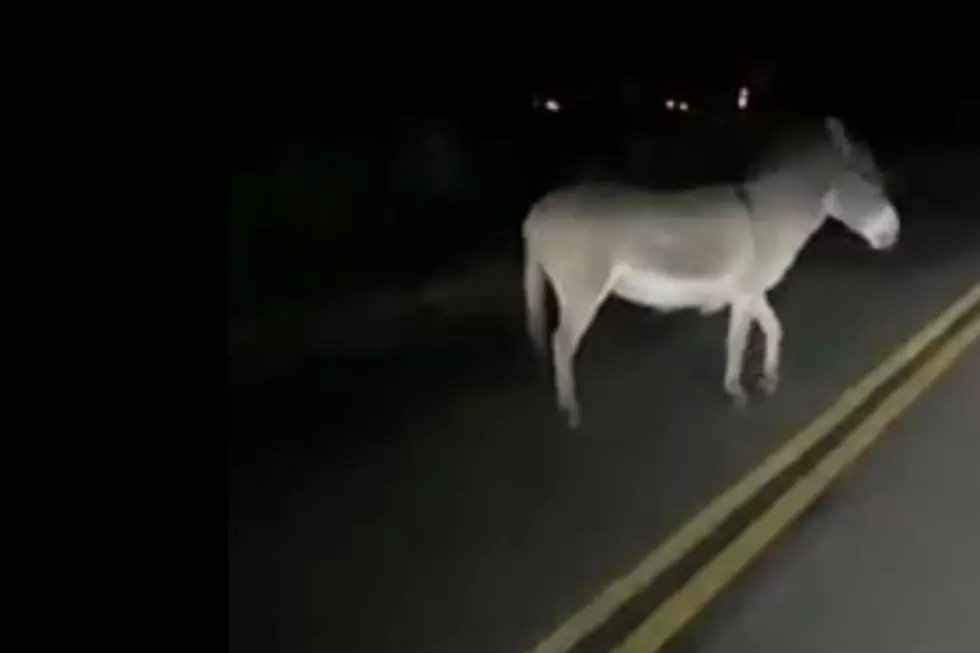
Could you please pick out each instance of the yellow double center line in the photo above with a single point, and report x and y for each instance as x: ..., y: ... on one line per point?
x: 686, y: 602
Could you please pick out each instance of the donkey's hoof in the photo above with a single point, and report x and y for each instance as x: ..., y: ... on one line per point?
x: 769, y: 383
x: 572, y: 417
x: 737, y: 394
x: 538, y: 342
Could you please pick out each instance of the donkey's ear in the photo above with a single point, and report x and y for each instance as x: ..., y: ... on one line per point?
x: 838, y: 135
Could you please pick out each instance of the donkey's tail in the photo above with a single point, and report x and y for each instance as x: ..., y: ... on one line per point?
x: 534, y: 298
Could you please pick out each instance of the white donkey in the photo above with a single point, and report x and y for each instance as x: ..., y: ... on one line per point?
x: 704, y: 248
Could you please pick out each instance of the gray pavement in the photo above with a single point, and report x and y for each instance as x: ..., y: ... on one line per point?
x: 433, y: 501
x: 888, y: 564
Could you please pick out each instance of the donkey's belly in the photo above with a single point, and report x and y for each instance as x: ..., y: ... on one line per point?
x: 667, y: 293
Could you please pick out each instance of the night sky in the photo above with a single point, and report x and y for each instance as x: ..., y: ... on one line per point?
x: 307, y: 85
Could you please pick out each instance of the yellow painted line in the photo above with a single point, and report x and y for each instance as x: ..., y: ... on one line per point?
x: 623, y: 589
x: 684, y: 605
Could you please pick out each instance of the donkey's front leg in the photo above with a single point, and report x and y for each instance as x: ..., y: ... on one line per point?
x: 772, y: 329
x: 739, y: 323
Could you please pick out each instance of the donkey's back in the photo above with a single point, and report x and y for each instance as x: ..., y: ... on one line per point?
x: 702, y: 233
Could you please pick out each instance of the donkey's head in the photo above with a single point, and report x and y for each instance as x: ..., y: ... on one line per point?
x: 857, y: 196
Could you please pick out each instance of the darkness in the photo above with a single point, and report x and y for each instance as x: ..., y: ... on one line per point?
x: 354, y: 130
x: 375, y: 309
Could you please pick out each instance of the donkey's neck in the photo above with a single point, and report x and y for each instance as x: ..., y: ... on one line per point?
x: 782, y: 224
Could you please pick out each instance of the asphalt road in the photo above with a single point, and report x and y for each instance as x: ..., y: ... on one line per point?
x: 430, y: 499
x: 888, y: 564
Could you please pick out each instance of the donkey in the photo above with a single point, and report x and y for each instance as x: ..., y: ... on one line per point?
x: 705, y: 248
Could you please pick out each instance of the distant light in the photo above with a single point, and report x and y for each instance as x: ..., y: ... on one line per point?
x: 743, y: 98
x: 682, y: 105
x: 552, y: 105
x: 669, y: 104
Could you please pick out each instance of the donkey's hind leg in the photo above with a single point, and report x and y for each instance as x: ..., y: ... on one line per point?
x: 578, y: 306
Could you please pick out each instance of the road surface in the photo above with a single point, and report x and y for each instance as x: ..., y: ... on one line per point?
x: 432, y: 501
x: 889, y: 561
